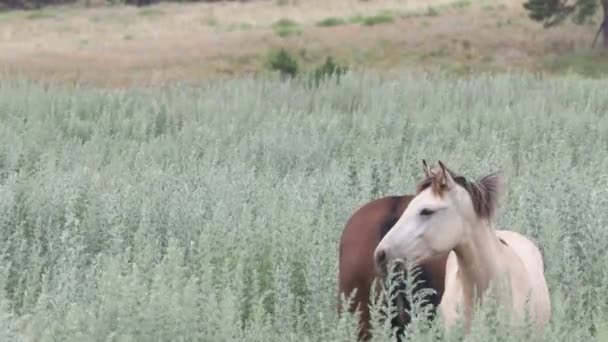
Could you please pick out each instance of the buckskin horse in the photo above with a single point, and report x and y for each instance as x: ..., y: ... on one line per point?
x: 356, y: 267
x: 452, y: 214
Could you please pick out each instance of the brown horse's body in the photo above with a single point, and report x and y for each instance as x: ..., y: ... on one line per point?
x: 356, y: 269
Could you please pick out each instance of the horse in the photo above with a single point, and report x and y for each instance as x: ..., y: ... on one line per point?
x: 356, y: 269
x: 452, y: 214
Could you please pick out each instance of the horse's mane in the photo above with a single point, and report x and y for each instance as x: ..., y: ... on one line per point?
x: 484, y: 192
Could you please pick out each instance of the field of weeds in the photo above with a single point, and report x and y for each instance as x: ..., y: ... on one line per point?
x: 214, y: 213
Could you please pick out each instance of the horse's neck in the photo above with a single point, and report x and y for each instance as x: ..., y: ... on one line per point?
x: 478, y: 264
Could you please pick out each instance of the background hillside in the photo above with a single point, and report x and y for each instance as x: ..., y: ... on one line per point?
x: 126, y: 45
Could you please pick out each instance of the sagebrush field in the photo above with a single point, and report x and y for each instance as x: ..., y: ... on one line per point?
x: 214, y: 213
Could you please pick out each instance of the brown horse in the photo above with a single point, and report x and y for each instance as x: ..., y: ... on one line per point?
x: 357, y: 270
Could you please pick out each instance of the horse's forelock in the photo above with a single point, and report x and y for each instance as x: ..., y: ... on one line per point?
x: 484, y: 192
x: 435, y: 181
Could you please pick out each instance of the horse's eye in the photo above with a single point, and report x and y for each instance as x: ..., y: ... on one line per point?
x: 426, y: 212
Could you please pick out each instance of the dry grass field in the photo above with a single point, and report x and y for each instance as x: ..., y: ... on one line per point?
x: 120, y: 46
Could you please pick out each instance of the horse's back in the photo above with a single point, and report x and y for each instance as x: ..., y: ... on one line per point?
x: 532, y: 260
x: 527, y: 250
x: 531, y: 272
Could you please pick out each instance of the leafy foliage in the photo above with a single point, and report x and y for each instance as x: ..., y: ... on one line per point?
x: 331, y: 21
x: 286, y: 27
x: 284, y: 62
x: 377, y: 19
x: 329, y: 69
x: 213, y: 213
x: 553, y: 12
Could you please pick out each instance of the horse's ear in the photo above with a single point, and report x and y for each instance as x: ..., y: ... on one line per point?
x: 425, y: 168
x: 445, y: 179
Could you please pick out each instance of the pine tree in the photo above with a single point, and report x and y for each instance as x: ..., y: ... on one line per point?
x: 553, y: 12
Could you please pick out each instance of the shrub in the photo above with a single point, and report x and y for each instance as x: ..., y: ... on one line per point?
x: 283, y: 62
x: 329, y: 69
x: 461, y: 4
x: 431, y: 11
x: 379, y: 18
x: 331, y: 21
x: 286, y: 27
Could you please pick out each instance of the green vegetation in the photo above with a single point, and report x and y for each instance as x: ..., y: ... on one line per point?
x: 209, y: 20
x: 213, y: 214
x: 286, y: 2
x: 588, y: 64
x: 551, y: 13
x: 286, y: 27
x: 239, y: 27
x: 40, y: 14
x: 284, y: 63
x: 288, y: 67
x: 329, y: 69
x: 331, y: 21
x: 5, y: 16
x: 432, y: 11
x: 151, y: 12
x: 460, y: 4
x: 381, y: 17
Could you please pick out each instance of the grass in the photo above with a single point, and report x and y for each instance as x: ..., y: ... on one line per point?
x: 380, y: 18
x: 285, y: 27
x: 239, y: 27
x: 432, y: 11
x: 331, y: 21
x: 209, y: 21
x: 461, y: 4
x: 214, y: 213
x: 589, y: 64
x: 40, y: 14
x: 151, y: 12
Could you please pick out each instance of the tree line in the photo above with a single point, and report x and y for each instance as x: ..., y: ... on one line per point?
x: 37, y: 4
x: 554, y: 12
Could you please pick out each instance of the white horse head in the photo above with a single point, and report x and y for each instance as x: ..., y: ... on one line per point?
x: 443, y: 214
